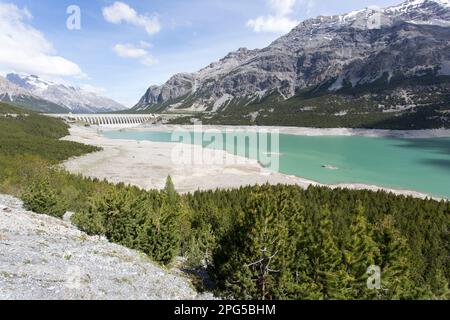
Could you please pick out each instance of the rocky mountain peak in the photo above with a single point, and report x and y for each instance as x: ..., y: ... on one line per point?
x: 75, y: 99
x: 9, y: 91
x: 409, y: 40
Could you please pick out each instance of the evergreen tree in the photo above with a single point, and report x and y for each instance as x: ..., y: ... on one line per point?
x: 169, y: 189
x: 202, y: 243
x: 393, y: 259
x: 440, y: 287
x: 326, y: 260
x: 159, y: 237
x: 42, y: 199
x: 296, y: 280
x: 359, y: 254
x: 92, y: 219
x: 123, y: 212
x: 253, y: 258
x: 266, y: 231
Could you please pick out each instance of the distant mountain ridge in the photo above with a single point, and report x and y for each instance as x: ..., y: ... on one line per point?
x: 69, y: 98
x: 11, y: 93
x: 386, y: 60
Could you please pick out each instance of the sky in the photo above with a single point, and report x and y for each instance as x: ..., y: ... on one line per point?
x: 119, y: 48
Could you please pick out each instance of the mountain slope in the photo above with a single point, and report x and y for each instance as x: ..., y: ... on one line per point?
x: 14, y: 94
x: 393, y: 67
x: 65, y: 263
x: 76, y: 100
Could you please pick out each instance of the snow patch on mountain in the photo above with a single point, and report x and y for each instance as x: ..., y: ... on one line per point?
x: 76, y: 99
x: 415, y: 4
x: 329, y: 52
x: 8, y: 89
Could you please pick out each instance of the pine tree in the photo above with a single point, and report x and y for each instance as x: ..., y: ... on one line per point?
x: 169, y: 189
x: 250, y: 261
x: 92, y: 219
x: 326, y: 260
x: 42, y: 199
x: 201, y: 246
x: 266, y: 234
x: 359, y: 255
x: 159, y: 237
x: 123, y: 213
x: 440, y: 288
x: 393, y: 259
x: 296, y: 280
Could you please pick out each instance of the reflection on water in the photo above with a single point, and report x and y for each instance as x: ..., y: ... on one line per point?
x: 439, y: 146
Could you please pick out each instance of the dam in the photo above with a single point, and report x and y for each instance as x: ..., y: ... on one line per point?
x: 108, y: 119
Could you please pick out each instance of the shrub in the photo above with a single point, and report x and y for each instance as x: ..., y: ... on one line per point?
x: 90, y: 220
x: 200, y: 247
x: 124, y: 212
x: 159, y: 237
x: 42, y: 199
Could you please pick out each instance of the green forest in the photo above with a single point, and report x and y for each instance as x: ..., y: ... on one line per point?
x: 256, y: 242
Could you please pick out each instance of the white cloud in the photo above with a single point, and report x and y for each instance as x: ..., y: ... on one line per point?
x: 145, y: 45
x: 282, y: 7
x: 149, y: 61
x: 25, y: 49
x: 272, y: 24
x: 131, y: 51
x: 309, y: 4
x: 120, y: 12
x: 278, y: 22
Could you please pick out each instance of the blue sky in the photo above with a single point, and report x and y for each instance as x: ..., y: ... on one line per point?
x: 124, y: 47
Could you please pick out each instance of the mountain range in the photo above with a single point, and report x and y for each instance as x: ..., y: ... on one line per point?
x: 369, y: 68
x: 14, y: 94
x: 32, y: 92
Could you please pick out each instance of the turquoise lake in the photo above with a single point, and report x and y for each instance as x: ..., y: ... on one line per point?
x: 421, y: 165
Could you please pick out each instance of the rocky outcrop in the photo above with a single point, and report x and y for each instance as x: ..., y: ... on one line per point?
x: 46, y: 258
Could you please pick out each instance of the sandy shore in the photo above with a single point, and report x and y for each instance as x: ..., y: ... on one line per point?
x: 147, y: 164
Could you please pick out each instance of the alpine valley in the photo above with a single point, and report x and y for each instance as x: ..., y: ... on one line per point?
x: 129, y: 205
x: 373, y: 68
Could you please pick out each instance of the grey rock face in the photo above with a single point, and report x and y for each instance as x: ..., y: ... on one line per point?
x: 332, y: 52
x: 177, y: 86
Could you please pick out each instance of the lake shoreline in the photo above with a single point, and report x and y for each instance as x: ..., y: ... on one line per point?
x: 130, y: 162
x: 306, y: 131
